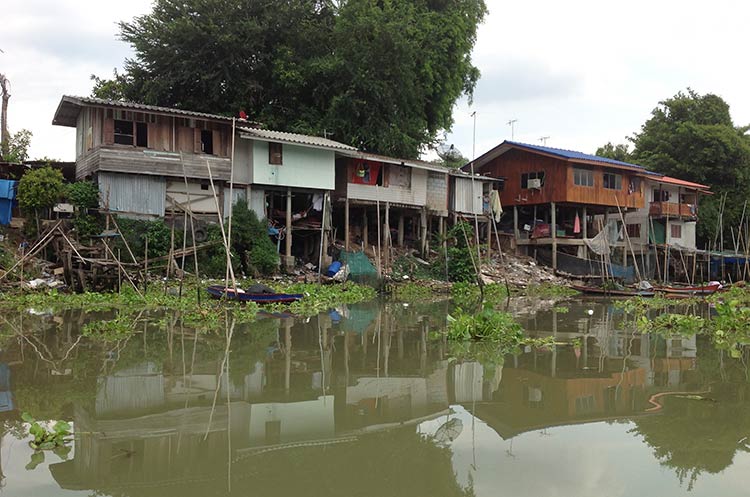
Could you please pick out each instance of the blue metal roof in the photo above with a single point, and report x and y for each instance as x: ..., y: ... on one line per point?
x: 573, y: 155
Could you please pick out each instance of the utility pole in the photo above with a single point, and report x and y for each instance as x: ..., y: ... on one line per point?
x: 512, y: 124
x: 474, y: 137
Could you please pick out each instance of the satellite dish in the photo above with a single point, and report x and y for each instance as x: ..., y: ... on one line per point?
x: 448, y: 152
x: 449, y: 431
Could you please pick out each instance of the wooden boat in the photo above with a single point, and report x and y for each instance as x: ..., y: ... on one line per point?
x: 595, y: 290
x: 219, y: 292
x: 689, y: 290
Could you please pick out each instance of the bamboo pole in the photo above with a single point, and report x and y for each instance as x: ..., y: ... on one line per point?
x: 192, y: 229
x: 221, y: 225
x: 39, y: 245
x: 322, y: 235
x: 231, y: 205
x: 627, y: 239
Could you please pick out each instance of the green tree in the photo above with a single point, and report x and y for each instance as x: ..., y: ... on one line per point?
x: 18, y: 147
x: 383, y: 75
x: 620, y: 152
x: 40, y: 189
x: 692, y: 137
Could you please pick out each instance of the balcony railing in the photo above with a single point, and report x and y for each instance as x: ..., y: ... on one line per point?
x: 664, y: 209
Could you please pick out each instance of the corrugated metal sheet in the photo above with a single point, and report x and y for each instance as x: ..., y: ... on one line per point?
x: 133, y: 195
x: 67, y: 110
x: 280, y: 136
x: 464, y: 200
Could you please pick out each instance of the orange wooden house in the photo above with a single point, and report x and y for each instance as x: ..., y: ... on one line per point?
x: 556, y: 194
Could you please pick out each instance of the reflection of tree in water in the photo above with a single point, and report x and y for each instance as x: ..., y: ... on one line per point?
x: 693, y: 436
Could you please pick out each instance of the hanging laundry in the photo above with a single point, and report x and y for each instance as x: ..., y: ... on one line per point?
x: 577, y: 225
x: 497, y: 207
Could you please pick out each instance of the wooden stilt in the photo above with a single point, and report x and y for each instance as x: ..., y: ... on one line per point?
x: 346, y: 224
x: 288, y: 240
x: 553, y: 231
x: 401, y: 229
x: 365, y: 230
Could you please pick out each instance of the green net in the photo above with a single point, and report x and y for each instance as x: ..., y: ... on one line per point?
x: 361, y: 269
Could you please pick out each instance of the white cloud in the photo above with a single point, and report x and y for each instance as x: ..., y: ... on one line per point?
x: 583, y: 72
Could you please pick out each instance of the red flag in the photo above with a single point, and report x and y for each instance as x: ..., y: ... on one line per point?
x: 243, y: 115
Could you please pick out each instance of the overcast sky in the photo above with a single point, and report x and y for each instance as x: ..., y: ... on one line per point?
x: 581, y: 72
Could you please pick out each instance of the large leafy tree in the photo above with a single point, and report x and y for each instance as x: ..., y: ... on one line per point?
x: 620, y: 152
x: 692, y: 137
x: 380, y: 74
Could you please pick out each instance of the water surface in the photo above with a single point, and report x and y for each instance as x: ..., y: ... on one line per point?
x: 368, y: 400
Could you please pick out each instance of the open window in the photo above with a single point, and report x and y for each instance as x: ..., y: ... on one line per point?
x: 275, y: 154
x: 131, y: 133
x: 612, y: 181
x: 532, y: 180
x: 123, y: 132
x: 207, y: 141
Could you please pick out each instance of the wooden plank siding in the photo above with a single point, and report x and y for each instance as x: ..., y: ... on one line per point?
x: 558, y: 184
x: 131, y: 160
x: 166, y: 137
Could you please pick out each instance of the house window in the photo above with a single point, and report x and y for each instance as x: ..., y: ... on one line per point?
x: 583, y: 177
x: 207, y: 142
x: 661, y: 195
x: 131, y: 133
x: 123, y: 132
x: 141, y: 135
x: 529, y: 180
x: 676, y: 230
x: 275, y: 156
x: 612, y: 181
x: 634, y: 230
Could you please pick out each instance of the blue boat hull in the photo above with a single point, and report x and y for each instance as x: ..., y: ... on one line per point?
x: 218, y: 292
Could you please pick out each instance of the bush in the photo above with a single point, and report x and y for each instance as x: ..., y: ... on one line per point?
x: 40, y: 189
x: 250, y: 241
x: 83, y: 195
x: 159, y: 236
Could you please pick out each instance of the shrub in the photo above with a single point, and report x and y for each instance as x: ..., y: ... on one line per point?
x: 40, y: 189
x: 250, y: 241
x: 83, y: 195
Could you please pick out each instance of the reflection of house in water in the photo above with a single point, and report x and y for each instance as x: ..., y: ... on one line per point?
x: 609, y: 370
x: 319, y: 385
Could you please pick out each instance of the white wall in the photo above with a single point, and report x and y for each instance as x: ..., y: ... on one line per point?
x: 306, y: 420
x: 303, y: 167
x: 416, y: 195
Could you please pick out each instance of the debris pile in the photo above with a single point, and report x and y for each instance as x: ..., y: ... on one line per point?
x: 519, y: 271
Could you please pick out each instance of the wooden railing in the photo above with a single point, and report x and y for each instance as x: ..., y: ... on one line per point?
x: 663, y: 209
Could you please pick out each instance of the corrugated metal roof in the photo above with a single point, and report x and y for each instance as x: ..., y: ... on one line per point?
x: 573, y: 155
x: 70, y: 105
x: 419, y: 164
x: 281, y: 136
x: 679, y: 182
x: 569, y: 155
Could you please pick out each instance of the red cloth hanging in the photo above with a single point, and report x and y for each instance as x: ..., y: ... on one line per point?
x: 577, y: 225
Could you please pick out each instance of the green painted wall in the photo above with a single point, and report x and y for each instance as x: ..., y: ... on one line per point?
x: 303, y: 167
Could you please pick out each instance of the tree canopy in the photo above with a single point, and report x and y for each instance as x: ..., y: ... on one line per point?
x: 378, y: 74
x: 692, y: 137
x: 620, y: 152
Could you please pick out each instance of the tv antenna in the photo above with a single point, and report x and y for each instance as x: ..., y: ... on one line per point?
x: 544, y: 139
x: 512, y: 124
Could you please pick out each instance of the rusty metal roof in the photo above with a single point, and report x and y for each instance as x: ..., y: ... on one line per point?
x: 70, y: 106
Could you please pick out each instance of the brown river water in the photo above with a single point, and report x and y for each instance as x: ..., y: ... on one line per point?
x: 368, y: 400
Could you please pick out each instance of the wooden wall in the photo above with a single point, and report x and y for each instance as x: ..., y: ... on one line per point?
x: 514, y: 163
x: 558, y: 182
x: 165, y: 133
